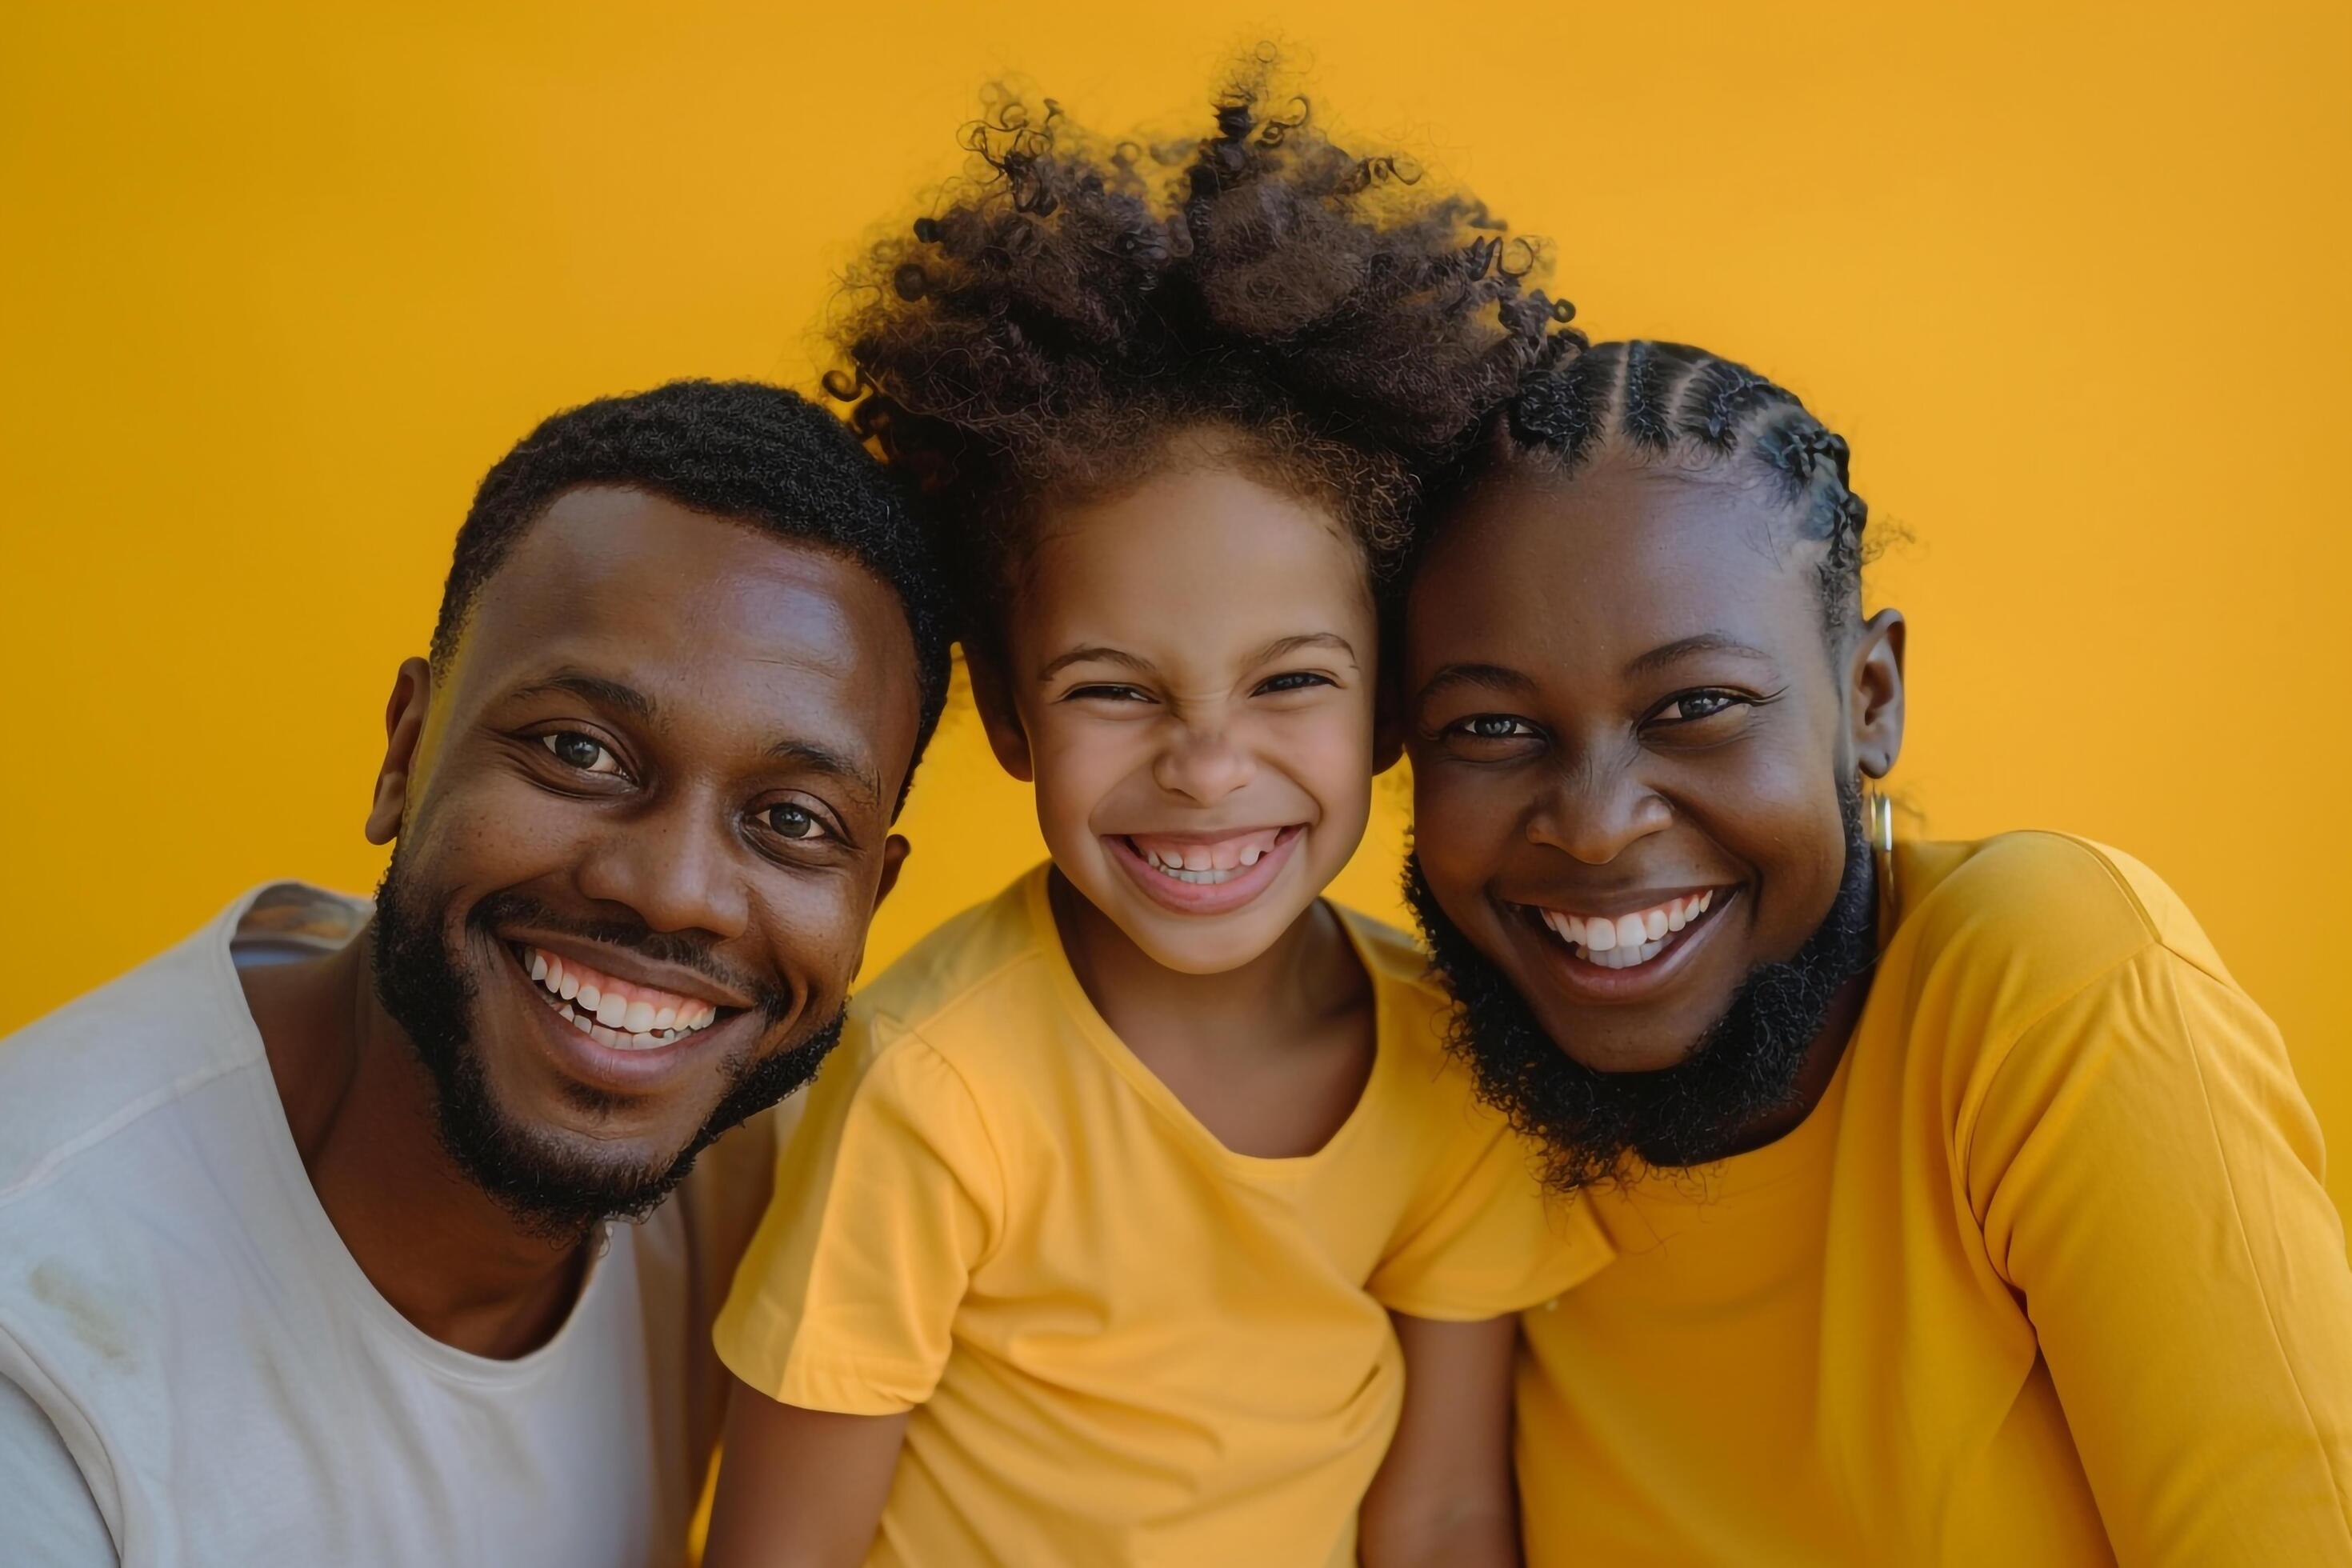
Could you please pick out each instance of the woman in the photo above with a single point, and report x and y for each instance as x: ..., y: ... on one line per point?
x: 1967, y: 1211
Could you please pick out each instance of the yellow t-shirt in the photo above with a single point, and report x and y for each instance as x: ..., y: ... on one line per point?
x: 1123, y: 1344
x: 2048, y: 1277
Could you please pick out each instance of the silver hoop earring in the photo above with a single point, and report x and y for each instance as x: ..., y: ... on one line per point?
x: 1880, y: 815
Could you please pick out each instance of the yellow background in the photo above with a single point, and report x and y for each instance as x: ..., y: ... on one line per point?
x: 278, y: 283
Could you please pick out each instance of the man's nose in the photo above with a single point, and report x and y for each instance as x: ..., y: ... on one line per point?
x: 1202, y: 762
x: 1594, y: 813
x: 674, y: 866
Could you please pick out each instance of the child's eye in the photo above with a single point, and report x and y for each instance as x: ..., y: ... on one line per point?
x: 1291, y: 681
x: 574, y: 750
x: 1106, y: 694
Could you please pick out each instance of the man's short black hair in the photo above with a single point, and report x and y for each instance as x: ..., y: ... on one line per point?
x: 750, y: 453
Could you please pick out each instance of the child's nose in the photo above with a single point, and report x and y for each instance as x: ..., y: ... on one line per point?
x: 1202, y: 765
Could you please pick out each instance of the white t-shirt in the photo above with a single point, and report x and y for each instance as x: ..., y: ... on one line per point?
x: 194, y: 1370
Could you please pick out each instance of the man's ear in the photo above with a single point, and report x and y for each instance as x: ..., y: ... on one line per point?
x: 403, y: 730
x: 992, y: 694
x: 895, y: 849
x: 1874, y: 693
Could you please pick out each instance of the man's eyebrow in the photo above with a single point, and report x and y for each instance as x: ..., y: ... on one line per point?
x: 1097, y: 655
x: 597, y: 689
x: 1493, y: 676
x: 1281, y: 646
x: 1685, y: 647
x: 824, y: 760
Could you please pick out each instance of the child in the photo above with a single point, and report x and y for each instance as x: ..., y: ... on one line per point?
x: 1088, y: 1252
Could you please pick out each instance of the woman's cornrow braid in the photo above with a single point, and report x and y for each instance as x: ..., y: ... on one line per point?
x: 1659, y: 398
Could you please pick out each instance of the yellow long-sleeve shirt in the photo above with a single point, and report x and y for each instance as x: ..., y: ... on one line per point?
x: 2048, y: 1277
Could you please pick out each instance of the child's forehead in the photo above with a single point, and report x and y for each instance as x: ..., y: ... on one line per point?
x: 1201, y: 518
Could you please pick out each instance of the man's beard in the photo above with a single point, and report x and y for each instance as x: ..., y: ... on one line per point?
x: 553, y: 1185
x: 1598, y: 1126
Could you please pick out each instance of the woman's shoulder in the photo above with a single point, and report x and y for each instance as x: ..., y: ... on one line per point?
x: 2001, y: 931
x: 2052, y: 892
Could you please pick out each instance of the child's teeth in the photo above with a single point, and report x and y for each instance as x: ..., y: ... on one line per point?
x: 1250, y: 855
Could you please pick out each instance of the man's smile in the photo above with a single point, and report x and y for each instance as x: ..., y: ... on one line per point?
x: 610, y: 1010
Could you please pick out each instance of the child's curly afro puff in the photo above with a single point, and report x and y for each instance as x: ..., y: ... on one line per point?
x: 1076, y: 305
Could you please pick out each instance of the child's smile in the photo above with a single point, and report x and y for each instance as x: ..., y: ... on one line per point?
x: 1204, y: 872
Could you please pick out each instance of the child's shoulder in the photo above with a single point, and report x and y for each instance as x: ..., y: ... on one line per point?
x: 959, y: 969
x: 1412, y: 1009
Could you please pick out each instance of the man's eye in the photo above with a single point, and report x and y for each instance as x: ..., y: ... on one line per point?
x: 789, y: 821
x: 1292, y: 680
x: 574, y: 750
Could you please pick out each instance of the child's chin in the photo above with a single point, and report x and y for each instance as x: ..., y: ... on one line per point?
x: 1212, y: 944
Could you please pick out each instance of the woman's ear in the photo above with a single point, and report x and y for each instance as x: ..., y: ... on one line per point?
x: 992, y: 694
x: 1874, y: 693
x: 404, y: 731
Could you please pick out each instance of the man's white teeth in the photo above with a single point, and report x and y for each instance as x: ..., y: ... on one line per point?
x: 1621, y: 942
x: 607, y: 1016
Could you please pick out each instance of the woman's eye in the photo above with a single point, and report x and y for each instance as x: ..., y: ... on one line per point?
x: 1494, y: 727
x: 1693, y: 705
x: 790, y: 821
x: 574, y: 750
x: 1292, y: 680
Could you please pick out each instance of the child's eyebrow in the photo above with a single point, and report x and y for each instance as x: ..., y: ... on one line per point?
x: 1119, y: 656
x: 1290, y: 645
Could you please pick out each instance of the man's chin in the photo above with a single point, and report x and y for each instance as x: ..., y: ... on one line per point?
x: 560, y: 1155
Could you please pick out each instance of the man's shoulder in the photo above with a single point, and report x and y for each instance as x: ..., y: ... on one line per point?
x: 97, y: 1068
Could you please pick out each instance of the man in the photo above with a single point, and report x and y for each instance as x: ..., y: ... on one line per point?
x: 1966, y: 1211
x: 308, y: 1239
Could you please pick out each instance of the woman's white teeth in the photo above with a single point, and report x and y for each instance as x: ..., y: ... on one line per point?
x: 1621, y: 942
x: 604, y: 1013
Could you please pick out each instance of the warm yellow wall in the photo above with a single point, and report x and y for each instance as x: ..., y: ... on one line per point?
x: 276, y: 284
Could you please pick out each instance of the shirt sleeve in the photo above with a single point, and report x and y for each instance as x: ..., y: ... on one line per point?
x: 1489, y: 1240
x: 887, y: 1196
x: 52, y: 1517
x: 2147, y: 1176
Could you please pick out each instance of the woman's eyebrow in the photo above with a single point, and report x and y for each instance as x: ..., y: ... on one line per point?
x: 1492, y: 677
x: 1119, y: 656
x: 1685, y: 647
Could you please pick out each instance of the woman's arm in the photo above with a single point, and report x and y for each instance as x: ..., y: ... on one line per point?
x: 1445, y: 1496
x: 800, y: 1488
x: 2149, y: 1177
